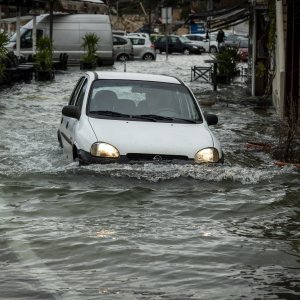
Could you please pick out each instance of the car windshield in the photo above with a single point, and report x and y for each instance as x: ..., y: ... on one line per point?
x: 142, y: 100
x: 13, y: 38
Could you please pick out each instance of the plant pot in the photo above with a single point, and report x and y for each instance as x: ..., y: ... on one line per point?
x: 225, y: 79
x: 88, y: 65
x: 44, y: 75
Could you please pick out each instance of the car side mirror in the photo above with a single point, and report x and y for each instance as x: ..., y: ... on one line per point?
x: 71, y: 111
x: 211, y: 119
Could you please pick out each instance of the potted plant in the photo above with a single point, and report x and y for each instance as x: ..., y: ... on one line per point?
x: 90, y: 45
x: 4, y: 39
x: 227, y: 69
x: 43, y: 59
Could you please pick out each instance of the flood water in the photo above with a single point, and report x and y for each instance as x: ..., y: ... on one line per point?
x: 147, y: 231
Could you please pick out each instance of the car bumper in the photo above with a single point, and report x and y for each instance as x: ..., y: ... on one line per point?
x: 86, y: 158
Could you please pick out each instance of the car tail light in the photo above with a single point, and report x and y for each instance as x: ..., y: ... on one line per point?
x: 152, y: 46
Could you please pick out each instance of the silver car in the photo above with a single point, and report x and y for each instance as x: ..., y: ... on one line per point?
x: 142, y: 47
x: 122, y: 48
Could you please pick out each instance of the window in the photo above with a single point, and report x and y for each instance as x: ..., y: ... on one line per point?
x: 26, y: 37
x: 119, y: 41
x: 136, y: 98
x: 81, y: 94
x: 76, y: 91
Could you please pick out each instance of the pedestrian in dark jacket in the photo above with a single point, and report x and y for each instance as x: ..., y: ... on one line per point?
x: 220, y: 39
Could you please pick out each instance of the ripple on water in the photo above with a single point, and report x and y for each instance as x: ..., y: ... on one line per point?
x: 53, y: 164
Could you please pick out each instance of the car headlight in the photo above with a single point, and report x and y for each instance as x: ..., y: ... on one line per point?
x: 207, y: 155
x: 104, y: 150
x: 195, y: 47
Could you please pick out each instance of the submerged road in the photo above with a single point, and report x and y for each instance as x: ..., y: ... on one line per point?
x: 147, y: 231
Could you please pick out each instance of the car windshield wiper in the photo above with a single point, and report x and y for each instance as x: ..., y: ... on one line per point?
x: 157, y: 118
x: 185, y: 120
x: 108, y: 113
x: 152, y: 117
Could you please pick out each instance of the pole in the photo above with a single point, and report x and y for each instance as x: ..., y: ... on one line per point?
x: 150, y: 12
x: 167, y: 35
x: 51, y: 21
x: 34, y: 34
x: 18, y: 39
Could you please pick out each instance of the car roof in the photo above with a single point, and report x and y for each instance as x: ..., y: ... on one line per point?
x: 134, y: 76
x: 136, y: 37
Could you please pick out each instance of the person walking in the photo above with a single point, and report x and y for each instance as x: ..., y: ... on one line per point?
x: 220, y: 39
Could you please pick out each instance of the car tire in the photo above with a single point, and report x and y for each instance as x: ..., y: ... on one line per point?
x: 186, y: 51
x: 123, y: 57
x: 213, y: 49
x: 148, y: 56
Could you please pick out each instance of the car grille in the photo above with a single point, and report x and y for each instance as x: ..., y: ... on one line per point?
x: 154, y: 157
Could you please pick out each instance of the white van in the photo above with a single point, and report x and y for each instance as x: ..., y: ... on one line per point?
x: 68, y: 31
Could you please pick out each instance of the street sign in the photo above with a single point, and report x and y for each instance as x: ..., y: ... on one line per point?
x: 166, y: 15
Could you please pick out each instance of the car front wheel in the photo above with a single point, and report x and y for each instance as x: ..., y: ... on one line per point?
x: 123, y: 57
x: 186, y: 52
x: 148, y: 56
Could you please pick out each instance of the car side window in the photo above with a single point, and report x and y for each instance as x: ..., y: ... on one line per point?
x: 119, y: 41
x: 76, y: 91
x: 141, y: 42
x: 134, y: 41
x: 163, y: 40
x: 81, y: 94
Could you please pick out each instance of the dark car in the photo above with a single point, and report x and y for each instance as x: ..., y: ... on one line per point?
x: 177, y: 44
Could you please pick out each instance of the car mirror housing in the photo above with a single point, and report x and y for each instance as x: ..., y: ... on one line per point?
x: 211, y: 119
x: 71, y: 111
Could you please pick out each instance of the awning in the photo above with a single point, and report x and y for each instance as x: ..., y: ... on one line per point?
x: 217, y: 19
x: 229, y: 19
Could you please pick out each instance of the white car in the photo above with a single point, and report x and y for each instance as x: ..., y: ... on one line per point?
x: 210, y: 45
x: 133, y: 117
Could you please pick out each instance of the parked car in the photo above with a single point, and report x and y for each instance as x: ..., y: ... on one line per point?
x: 177, y: 44
x: 133, y: 117
x: 209, y: 45
x: 243, y: 50
x: 122, y: 48
x: 119, y: 32
x: 233, y: 40
x: 142, y: 34
x: 142, y: 47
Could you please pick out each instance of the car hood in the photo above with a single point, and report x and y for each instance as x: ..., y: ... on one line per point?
x: 153, y: 137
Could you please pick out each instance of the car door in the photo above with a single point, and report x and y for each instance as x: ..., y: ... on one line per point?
x: 161, y: 44
x: 174, y: 44
x: 68, y: 124
x: 138, y: 46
